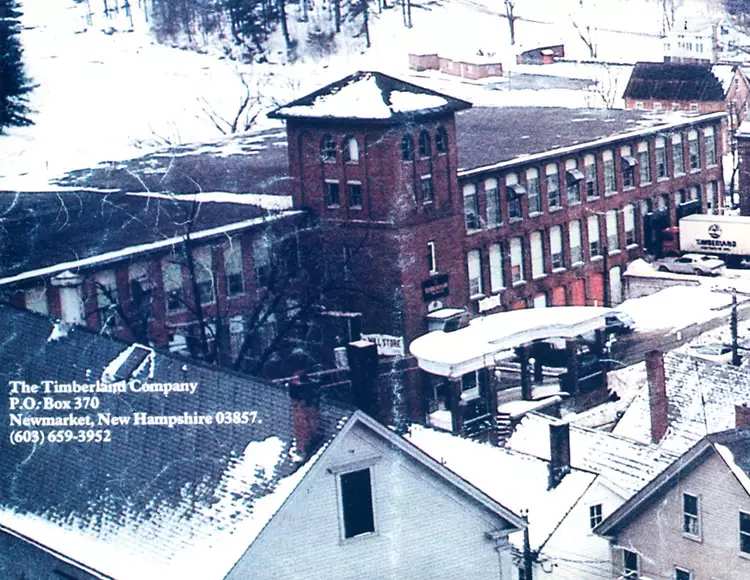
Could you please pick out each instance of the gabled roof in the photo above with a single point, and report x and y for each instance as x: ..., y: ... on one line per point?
x: 518, y: 480
x: 155, y: 501
x: 671, y: 81
x: 624, y: 465
x: 370, y: 96
x: 732, y: 446
x: 39, y: 231
x: 701, y: 399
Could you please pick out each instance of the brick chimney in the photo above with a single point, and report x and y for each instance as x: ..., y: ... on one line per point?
x: 305, y: 399
x: 69, y: 286
x: 742, y: 416
x: 559, y: 452
x: 657, y: 394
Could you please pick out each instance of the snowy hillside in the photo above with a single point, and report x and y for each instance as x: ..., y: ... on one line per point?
x: 107, y: 91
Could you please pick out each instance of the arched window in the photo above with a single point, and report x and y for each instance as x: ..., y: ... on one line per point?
x: 407, y: 148
x: 328, y: 149
x: 425, y: 148
x: 350, y: 149
x: 441, y: 140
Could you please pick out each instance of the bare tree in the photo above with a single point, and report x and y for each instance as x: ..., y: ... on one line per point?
x: 583, y: 27
x: 243, y: 117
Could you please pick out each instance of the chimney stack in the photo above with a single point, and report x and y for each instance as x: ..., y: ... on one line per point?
x: 559, y: 452
x: 71, y: 301
x: 305, y: 399
x: 742, y: 416
x: 657, y: 394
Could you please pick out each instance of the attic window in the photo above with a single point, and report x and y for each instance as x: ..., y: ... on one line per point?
x: 441, y: 140
x: 355, y: 501
x: 350, y: 150
x: 328, y: 149
x: 425, y: 146
x: 407, y: 148
x: 124, y: 366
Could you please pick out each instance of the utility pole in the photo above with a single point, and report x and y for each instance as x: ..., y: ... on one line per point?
x: 528, y: 557
x: 733, y: 328
x: 606, y: 285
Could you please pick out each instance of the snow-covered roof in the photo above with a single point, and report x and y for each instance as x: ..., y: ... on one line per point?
x: 495, y: 138
x: 76, y: 229
x: 156, y: 501
x: 701, y: 396
x: 732, y: 446
x: 514, y: 479
x: 625, y: 465
x: 473, y: 347
x: 671, y: 81
x: 370, y: 96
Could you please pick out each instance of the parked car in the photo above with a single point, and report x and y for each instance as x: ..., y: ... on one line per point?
x: 700, y: 264
x: 619, y: 322
x: 715, y: 352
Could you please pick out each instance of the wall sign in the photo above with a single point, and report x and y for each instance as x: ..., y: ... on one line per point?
x: 387, y: 344
x: 435, y: 287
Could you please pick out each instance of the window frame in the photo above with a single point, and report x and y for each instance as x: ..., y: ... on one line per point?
x: 742, y: 533
x: 595, y: 515
x: 679, y: 570
x: 232, y: 249
x: 556, y: 233
x: 406, y: 148
x: 520, y: 265
x: 628, y: 572
x: 590, y: 177
x: 340, y: 474
x: 553, y: 193
x: 476, y: 284
x: 492, y: 202
x: 426, y: 189
x: 610, y: 173
x: 643, y: 155
x: 351, y: 187
x: 690, y: 520
x: 329, y: 199
x: 350, y: 150
x: 441, y: 140
x: 424, y: 144
x: 328, y: 149
x: 533, y: 191
x: 472, y: 218
x: 678, y: 155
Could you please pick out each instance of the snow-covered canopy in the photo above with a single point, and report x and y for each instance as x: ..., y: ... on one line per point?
x: 453, y: 354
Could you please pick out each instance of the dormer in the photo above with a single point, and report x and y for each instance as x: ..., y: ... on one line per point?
x: 370, y: 147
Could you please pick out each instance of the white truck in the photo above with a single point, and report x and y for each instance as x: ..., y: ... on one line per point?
x: 727, y: 236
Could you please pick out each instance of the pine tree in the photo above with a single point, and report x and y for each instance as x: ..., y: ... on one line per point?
x: 14, y: 85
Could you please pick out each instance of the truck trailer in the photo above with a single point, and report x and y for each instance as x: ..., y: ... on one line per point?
x: 727, y: 236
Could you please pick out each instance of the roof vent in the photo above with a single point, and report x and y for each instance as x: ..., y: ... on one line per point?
x: 128, y: 363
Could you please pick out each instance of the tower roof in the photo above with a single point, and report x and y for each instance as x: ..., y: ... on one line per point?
x: 371, y: 97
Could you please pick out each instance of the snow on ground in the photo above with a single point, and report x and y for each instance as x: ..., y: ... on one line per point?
x: 114, y: 95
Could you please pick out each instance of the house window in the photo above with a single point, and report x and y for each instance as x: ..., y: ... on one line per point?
x: 744, y: 533
x: 660, y: 153
x: 694, y: 154
x: 233, y: 268
x: 678, y: 159
x: 428, y: 194
x: 589, y: 176
x: 516, y: 260
x: 595, y: 515
x: 709, y: 144
x: 333, y: 196
x: 204, y: 276
x: 262, y: 261
x: 573, y: 179
x: 630, y: 565
x: 537, y: 255
x: 357, y: 510
x: 496, y: 268
x: 470, y: 385
x: 682, y: 574
x: 441, y: 140
x: 627, y: 166
x: 629, y: 223
x: 555, y: 246
x: 492, y: 195
x: 593, y: 231
x: 107, y: 299
x: 471, y: 207
x: 355, y: 194
x: 574, y: 233
x: 553, y: 185
x: 613, y: 238
x: 172, y: 280
x: 350, y: 150
x: 425, y: 148
x: 407, y: 148
x: 514, y: 191
x: 328, y: 149
x: 532, y: 191
x: 691, y: 515
x: 644, y: 163
x: 432, y: 257
x: 474, y: 265
x: 610, y: 181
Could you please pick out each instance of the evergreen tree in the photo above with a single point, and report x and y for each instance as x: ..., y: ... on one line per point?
x: 14, y: 85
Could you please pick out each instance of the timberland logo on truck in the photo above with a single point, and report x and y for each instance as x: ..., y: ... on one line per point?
x: 714, y: 230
